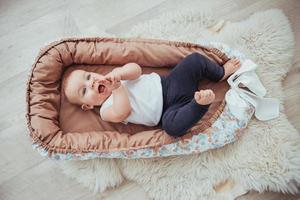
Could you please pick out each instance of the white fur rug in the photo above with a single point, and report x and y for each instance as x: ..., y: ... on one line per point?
x: 267, y: 157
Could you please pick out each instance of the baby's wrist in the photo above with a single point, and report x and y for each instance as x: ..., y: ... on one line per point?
x: 119, y: 71
x: 117, y: 88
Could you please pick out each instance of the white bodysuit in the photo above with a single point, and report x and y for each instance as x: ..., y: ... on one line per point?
x: 145, y: 97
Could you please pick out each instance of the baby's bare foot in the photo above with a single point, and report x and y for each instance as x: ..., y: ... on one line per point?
x: 230, y: 67
x: 204, y: 97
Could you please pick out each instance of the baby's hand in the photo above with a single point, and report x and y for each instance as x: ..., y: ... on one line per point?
x: 109, y: 84
x: 114, y: 75
x: 114, y: 85
x: 102, y: 81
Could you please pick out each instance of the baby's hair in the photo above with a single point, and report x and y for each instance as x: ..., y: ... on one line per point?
x: 65, y: 81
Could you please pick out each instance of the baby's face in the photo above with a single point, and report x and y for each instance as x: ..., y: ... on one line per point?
x: 83, y: 88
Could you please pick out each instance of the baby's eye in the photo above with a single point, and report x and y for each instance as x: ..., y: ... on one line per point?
x: 83, y: 91
x: 88, y: 77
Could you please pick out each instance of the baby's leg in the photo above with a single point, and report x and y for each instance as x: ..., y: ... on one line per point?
x: 202, y: 67
x: 185, y: 76
x: 182, y: 110
x: 179, y: 118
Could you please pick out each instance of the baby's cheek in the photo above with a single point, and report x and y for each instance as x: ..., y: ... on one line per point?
x: 92, y: 97
x: 96, y: 95
x: 100, y: 96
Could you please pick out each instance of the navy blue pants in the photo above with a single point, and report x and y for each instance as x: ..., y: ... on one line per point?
x: 180, y: 109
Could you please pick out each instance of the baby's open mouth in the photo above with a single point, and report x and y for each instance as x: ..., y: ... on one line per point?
x: 101, y: 88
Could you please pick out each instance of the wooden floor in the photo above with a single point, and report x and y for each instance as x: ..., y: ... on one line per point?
x: 25, y: 26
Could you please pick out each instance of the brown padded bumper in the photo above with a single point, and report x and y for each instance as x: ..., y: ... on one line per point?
x: 61, y: 127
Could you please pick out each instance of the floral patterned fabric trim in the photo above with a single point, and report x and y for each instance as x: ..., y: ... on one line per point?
x: 226, y: 129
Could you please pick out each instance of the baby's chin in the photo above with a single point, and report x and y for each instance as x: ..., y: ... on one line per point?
x: 104, y: 97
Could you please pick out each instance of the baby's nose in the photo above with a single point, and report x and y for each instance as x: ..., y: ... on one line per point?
x: 93, y: 82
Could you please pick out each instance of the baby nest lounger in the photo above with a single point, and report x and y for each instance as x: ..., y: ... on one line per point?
x: 63, y: 131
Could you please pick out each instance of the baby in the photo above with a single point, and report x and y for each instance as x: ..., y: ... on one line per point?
x: 127, y: 95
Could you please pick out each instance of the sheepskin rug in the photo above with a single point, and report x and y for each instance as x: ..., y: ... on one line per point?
x: 267, y: 156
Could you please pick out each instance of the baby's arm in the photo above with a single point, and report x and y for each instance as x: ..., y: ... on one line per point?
x: 120, y: 109
x: 130, y: 71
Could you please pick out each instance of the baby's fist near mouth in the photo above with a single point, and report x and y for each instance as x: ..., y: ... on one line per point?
x: 103, y: 81
x: 113, y: 76
x: 114, y: 85
x: 111, y: 84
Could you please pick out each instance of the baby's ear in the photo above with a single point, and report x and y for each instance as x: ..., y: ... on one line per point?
x: 86, y: 107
